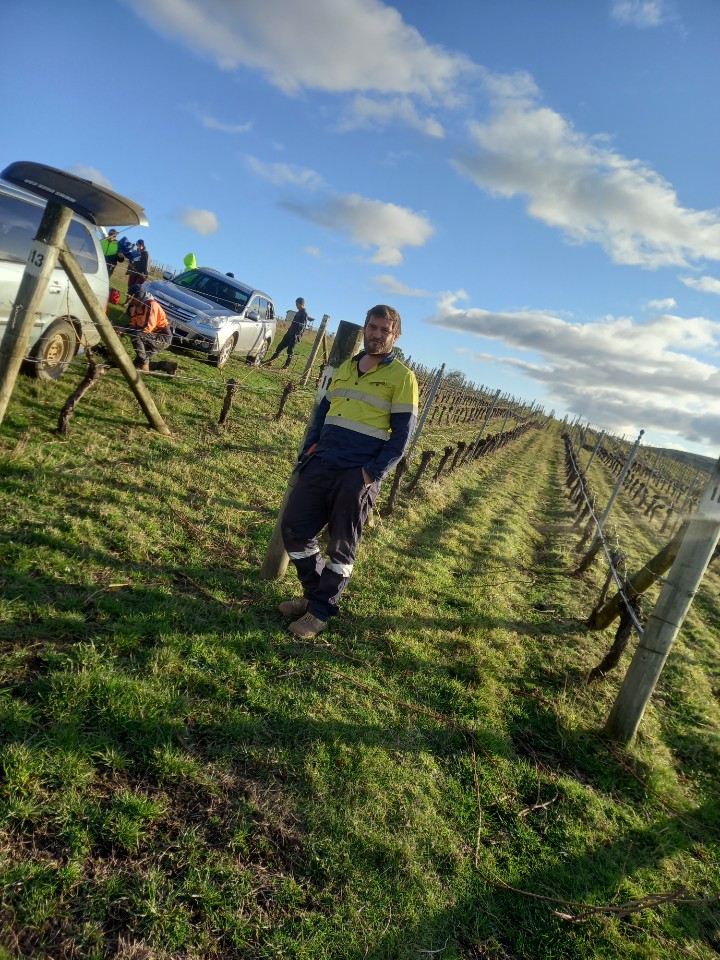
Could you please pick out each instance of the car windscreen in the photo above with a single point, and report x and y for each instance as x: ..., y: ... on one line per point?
x: 19, y: 222
x: 213, y: 288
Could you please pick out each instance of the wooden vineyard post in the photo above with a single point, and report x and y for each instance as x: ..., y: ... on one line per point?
x: 425, y: 459
x: 289, y: 388
x: 425, y: 411
x: 447, y: 453
x: 667, y: 617
x: 314, y: 352
x: 230, y: 391
x: 499, y: 440
x: 461, y: 445
x: 95, y: 372
x: 345, y: 345
x: 112, y: 341
x: 488, y: 415
x: 400, y: 471
x: 649, y: 574
x: 41, y: 262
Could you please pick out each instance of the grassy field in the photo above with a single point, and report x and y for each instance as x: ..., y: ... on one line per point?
x: 183, y: 779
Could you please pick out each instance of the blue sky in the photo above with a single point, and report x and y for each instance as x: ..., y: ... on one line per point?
x: 534, y: 185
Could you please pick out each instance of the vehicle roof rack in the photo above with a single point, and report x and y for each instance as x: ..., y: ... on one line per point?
x: 97, y: 204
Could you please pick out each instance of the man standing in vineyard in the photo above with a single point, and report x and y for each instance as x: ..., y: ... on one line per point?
x: 361, y: 430
x: 293, y: 335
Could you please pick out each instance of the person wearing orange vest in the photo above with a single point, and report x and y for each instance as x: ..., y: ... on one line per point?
x: 149, y: 329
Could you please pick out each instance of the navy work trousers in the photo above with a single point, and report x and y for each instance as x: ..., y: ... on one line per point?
x: 288, y: 342
x: 339, y: 500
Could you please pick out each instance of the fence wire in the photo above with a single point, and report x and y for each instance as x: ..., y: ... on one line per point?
x: 606, y: 549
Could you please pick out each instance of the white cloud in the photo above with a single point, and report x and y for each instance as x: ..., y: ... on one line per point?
x: 212, y: 124
x: 667, y: 304
x: 203, y: 222
x: 91, y: 173
x: 619, y: 372
x: 282, y: 174
x: 391, y: 284
x: 581, y: 186
x: 572, y: 181
x: 331, y: 45
x: 365, y: 112
x: 639, y: 13
x: 704, y: 284
x: 312, y: 251
x: 371, y: 223
x: 518, y: 86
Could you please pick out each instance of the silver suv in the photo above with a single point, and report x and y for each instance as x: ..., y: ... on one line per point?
x: 61, y: 324
x: 216, y: 314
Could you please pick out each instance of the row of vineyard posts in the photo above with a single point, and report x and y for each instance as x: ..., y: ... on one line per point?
x: 692, y: 545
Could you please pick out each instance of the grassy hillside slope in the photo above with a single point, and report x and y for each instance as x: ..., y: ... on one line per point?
x: 183, y: 779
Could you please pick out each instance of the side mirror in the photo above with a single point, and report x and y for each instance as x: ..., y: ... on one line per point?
x: 253, y: 315
x: 167, y: 275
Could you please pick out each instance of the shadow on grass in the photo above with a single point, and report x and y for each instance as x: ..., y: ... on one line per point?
x: 494, y: 922
x: 164, y: 667
x: 490, y: 921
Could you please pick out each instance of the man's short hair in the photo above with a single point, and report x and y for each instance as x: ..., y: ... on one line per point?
x: 383, y: 312
x: 300, y: 302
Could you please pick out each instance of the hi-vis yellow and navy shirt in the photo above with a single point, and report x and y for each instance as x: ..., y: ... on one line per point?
x: 366, y: 419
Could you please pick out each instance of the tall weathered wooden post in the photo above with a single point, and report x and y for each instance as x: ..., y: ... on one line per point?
x: 112, y: 342
x: 668, y: 614
x: 66, y: 193
x: 41, y: 262
x: 314, y: 351
x: 345, y: 345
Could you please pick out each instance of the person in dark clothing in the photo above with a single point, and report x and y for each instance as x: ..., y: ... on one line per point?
x: 139, y: 266
x: 149, y: 329
x: 361, y: 429
x: 293, y: 335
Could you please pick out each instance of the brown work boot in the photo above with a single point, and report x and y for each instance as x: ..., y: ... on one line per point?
x: 307, y: 626
x: 293, y: 608
x: 142, y: 365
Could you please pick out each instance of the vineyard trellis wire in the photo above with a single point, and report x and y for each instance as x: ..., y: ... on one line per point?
x: 579, y: 478
x: 627, y: 603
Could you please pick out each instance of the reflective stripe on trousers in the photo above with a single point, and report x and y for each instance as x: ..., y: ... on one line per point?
x: 339, y: 500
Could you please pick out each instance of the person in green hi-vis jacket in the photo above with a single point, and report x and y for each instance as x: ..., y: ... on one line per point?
x: 190, y: 261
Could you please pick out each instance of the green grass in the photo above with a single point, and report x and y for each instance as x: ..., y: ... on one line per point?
x: 181, y: 778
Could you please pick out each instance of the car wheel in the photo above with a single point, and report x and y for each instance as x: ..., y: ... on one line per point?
x: 225, y: 351
x: 260, y: 355
x: 53, y: 352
